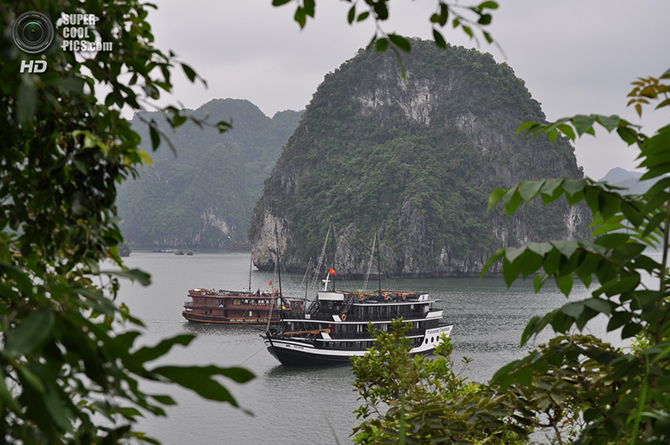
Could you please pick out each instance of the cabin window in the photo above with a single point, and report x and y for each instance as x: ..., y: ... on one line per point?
x: 236, y: 302
x: 359, y: 328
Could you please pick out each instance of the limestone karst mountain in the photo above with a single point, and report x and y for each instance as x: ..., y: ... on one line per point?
x: 415, y: 160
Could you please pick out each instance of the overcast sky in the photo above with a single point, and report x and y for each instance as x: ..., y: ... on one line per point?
x: 576, y: 56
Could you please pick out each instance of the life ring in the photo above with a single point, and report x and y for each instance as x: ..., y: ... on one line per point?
x: 344, y: 317
x: 404, y: 296
x: 362, y: 297
x: 386, y: 296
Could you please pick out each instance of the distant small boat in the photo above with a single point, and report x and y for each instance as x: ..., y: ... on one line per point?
x: 179, y: 252
x: 190, y: 252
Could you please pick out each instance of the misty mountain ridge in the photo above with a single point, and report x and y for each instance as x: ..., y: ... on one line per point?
x: 204, y: 196
x: 629, y: 180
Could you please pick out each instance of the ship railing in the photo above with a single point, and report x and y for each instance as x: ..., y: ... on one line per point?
x: 188, y: 304
x: 414, y: 315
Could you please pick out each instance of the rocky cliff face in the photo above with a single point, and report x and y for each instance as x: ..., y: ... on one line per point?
x: 415, y: 161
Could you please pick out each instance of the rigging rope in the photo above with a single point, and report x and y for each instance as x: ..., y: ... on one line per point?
x: 372, y: 254
x: 317, y: 269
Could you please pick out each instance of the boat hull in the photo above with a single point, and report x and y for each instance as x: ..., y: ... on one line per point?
x: 305, y: 353
x: 218, y: 319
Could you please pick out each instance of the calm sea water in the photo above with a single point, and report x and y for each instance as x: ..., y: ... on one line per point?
x: 304, y: 406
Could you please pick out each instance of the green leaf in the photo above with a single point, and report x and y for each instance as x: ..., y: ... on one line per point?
x: 530, y: 126
x: 632, y: 214
x: 400, y: 41
x: 21, y: 279
x: 468, y: 31
x: 497, y: 255
x: 573, y: 186
x: 617, y: 320
x: 58, y: 412
x: 608, y: 205
x: 190, y: 72
x: 524, y: 376
x: 627, y: 134
x: 610, y: 123
x: 539, y: 281
x: 530, y: 189
x: 199, y: 380
x: 163, y: 399
x: 599, y: 305
x: 363, y: 16
x: 155, y: 137
x: 535, y: 325
x: 565, y: 284
x: 134, y: 274
x: 30, y: 333
x: 381, y: 45
x: 566, y: 248
x: 512, y: 200
x: 439, y: 39
x: 630, y: 330
x: 495, y: 196
x: 152, y: 353
x: 653, y: 224
x: 583, y: 123
x: 612, y: 240
x: 488, y: 5
x: 352, y: 14
x: 309, y: 6
x: 279, y: 2
x: 485, y: 19
x: 511, y: 271
x: 627, y: 251
x: 551, y: 190
x: 540, y: 248
x: 567, y: 130
x: 530, y: 263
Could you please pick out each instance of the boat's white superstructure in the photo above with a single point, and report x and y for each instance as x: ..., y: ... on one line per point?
x: 335, y: 328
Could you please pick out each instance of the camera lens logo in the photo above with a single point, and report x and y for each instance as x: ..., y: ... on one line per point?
x: 33, y: 32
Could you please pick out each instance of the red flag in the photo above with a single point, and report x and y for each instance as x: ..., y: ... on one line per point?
x: 332, y: 271
x: 270, y: 283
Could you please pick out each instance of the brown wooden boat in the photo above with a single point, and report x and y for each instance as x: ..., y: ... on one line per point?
x: 237, y: 307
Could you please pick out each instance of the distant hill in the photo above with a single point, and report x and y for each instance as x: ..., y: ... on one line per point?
x: 204, y: 197
x: 618, y: 174
x: 628, y: 180
x: 416, y: 160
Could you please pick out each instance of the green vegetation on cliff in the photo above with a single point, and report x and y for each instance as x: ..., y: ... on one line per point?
x: 416, y: 159
x: 204, y: 195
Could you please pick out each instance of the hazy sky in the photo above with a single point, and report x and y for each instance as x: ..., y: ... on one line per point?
x: 576, y: 56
